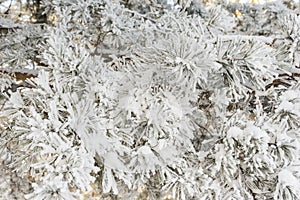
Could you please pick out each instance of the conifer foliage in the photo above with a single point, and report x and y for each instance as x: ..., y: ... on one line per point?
x: 151, y: 99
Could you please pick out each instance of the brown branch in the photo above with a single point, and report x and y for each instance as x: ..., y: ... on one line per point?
x: 276, y: 83
x: 20, y: 75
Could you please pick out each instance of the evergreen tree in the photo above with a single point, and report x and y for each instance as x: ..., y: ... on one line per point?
x: 150, y: 99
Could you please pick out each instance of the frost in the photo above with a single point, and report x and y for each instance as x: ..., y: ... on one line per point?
x: 54, y: 189
x: 108, y: 182
x: 150, y: 99
x: 16, y: 100
x: 288, y: 185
